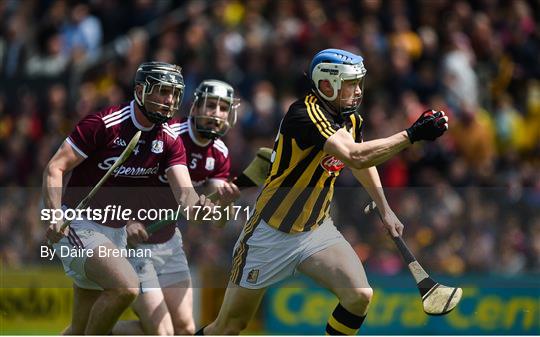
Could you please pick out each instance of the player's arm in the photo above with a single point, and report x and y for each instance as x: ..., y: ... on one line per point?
x: 63, y: 161
x: 363, y: 155
x: 184, y: 193
x: 370, y: 180
x: 213, y: 184
x: 88, y: 135
x: 341, y: 144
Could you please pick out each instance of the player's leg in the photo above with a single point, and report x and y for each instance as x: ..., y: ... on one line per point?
x: 239, y: 306
x: 153, y: 313
x: 96, y: 309
x: 120, y: 283
x: 339, y: 269
x: 262, y: 256
x: 83, y: 300
x: 175, y: 282
x: 154, y: 317
x: 129, y: 328
x: 179, y: 299
x: 150, y: 306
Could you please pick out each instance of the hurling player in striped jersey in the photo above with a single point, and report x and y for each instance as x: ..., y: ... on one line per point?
x: 165, y: 302
x: 291, y: 229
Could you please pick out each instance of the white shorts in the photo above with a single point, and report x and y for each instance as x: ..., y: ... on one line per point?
x: 166, y: 266
x: 266, y: 255
x: 86, y: 235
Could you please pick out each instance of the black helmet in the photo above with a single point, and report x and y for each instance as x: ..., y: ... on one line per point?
x: 167, y: 80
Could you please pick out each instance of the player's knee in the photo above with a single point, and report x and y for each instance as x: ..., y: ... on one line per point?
x: 363, y: 295
x: 124, y: 295
x: 184, y: 328
x: 183, y: 323
x: 357, y: 299
x: 129, y: 294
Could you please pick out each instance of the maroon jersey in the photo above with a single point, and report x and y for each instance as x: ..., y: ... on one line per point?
x: 100, y: 138
x: 205, y: 162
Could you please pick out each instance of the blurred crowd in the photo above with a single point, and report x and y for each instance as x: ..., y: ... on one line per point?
x: 469, y: 201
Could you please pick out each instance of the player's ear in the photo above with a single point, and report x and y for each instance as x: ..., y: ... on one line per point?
x: 326, y: 88
x: 138, y: 91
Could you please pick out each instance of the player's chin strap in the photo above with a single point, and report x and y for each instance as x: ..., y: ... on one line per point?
x: 345, y: 112
x: 153, y: 117
x: 207, y: 134
x: 194, y: 133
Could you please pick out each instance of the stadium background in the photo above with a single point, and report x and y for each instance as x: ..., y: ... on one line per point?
x: 470, y: 201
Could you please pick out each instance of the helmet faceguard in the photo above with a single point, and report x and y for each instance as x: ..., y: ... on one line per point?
x: 213, y: 111
x: 337, y: 66
x: 351, y: 103
x: 162, y: 90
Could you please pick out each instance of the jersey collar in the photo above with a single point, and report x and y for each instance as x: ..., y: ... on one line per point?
x: 134, y: 119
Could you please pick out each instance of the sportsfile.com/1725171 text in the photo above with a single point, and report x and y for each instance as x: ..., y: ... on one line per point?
x: 119, y: 213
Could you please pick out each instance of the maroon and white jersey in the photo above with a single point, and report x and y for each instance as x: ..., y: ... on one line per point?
x: 210, y: 161
x: 100, y: 138
x: 205, y: 162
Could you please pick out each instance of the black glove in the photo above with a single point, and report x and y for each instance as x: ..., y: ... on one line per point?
x: 431, y: 125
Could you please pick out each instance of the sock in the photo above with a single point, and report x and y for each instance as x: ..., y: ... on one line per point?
x: 343, y: 322
x: 200, y: 332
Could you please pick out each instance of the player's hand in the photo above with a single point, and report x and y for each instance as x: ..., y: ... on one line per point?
x: 204, y: 201
x: 227, y: 193
x: 54, y: 234
x: 202, y: 208
x: 392, y: 223
x: 136, y: 233
x: 429, y: 126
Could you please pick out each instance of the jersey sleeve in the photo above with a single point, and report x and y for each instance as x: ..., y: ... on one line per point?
x: 308, y: 124
x: 88, y: 135
x: 176, y: 154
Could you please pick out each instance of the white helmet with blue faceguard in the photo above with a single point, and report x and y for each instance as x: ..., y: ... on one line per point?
x: 337, y: 66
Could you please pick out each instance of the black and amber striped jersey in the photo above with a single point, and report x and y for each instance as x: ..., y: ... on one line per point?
x: 298, y: 190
